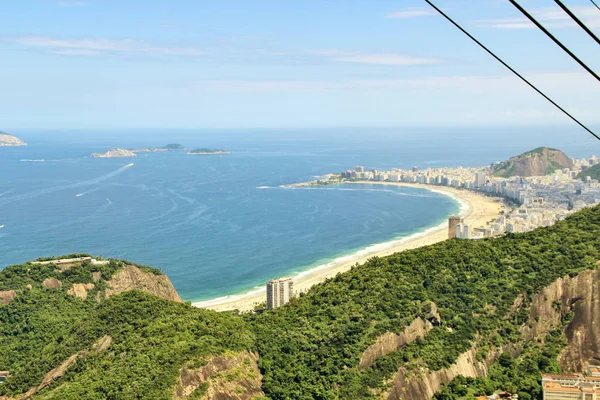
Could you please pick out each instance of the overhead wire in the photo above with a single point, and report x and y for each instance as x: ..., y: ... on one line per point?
x: 554, y: 39
x: 512, y: 69
x: 577, y: 20
x: 594, y: 3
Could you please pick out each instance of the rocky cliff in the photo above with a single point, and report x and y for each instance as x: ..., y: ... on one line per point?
x: 540, y: 161
x: 133, y: 278
x: 230, y: 376
x: 579, y: 295
x: 10, y: 140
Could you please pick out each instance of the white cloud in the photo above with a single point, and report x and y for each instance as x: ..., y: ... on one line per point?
x: 72, y: 3
x: 103, y: 46
x: 555, y: 82
x: 410, y: 13
x: 551, y: 17
x: 387, y: 59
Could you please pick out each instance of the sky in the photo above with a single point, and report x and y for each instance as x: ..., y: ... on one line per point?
x: 106, y: 64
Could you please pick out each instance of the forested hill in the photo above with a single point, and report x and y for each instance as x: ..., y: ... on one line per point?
x: 593, y: 172
x: 536, y: 162
x: 459, y: 298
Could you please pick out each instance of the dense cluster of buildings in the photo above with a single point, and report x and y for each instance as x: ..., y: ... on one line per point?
x: 535, y: 201
x: 572, y: 387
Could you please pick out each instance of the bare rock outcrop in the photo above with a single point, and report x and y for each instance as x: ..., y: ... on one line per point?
x: 133, y: 278
x: 115, y: 153
x: 80, y: 290
x: 10, y: 140
x: 230, y: 377
x: 581, y: 296
x: 6, y: 296
x: 423, y: 384
x: 96, y: 276
x: 389, y: 341
x: 102, y: 344
x: 52, y: 283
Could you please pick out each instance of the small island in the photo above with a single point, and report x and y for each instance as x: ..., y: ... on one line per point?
x: 208, y: 151
x: 115, y: 153
x: 7, y: 140
x: 168, y: 147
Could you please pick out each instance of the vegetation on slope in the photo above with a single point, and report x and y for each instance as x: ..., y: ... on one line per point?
x: 593, y: 172
x: 312, y: 347
x: 309, y: 349
x: 539, y: 161
x: 152, y: 337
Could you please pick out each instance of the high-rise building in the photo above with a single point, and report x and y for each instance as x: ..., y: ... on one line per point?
x: 359, y: 168
x: 480, y: 179
x: 279, y: 292
x: 453, y: 222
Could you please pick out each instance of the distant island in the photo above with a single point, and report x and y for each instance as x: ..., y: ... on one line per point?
x: 168, y: 147
x: 115, y: 153
x: 7, y: 140
x: 208, y: 151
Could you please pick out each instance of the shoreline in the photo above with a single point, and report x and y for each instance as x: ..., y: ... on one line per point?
x: 477, y: 210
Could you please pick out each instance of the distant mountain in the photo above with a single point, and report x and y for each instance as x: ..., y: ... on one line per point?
x: 10, y: 140
x: 537, y: 162
x: 593, y: 172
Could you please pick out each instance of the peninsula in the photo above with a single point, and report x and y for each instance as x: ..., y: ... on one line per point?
x: 208, y: 151
x: 115, y: 153
x: 7, y: 140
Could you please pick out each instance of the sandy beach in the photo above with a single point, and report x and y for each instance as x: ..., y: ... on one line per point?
x: 478, y: 210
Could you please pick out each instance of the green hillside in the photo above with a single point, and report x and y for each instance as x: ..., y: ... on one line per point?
x: 311, y: 348
x: 593, y: 172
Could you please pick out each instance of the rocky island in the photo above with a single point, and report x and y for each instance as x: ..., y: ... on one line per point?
x: 115, y: 153
x: 168, y: 147
x: 7, y: 140
x: 208, y: 151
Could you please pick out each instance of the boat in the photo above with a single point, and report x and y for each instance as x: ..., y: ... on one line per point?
x: 1, y: 226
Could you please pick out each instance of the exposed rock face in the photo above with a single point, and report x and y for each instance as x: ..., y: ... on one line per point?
x: 228, y: 377
x: 424, y: 384
x: 541, y: 161
x: 115, y: 153
x: 52, y: 283
x: 96, y: 276
x: 100, y: 346
x: 80, y: 290
x: 10, y: 140
x: 389, y: 342
x: 7, y: 296
x: 133, y: 278
x: 581, y: 295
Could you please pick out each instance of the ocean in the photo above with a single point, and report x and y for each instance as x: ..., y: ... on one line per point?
x: 219, y: 225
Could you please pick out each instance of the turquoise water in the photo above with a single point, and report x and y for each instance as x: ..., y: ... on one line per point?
x: 220, y: 225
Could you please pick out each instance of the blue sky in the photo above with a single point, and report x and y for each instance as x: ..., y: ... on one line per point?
x: 278, y: 63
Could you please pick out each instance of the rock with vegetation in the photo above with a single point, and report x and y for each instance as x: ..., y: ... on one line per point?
x: 115, y: 153
x: 208, y: 151
x: 593, y: 172
x: 7, y: 140
x: 168, y: 147
x: 537, y: 162
x: 506, y: 310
